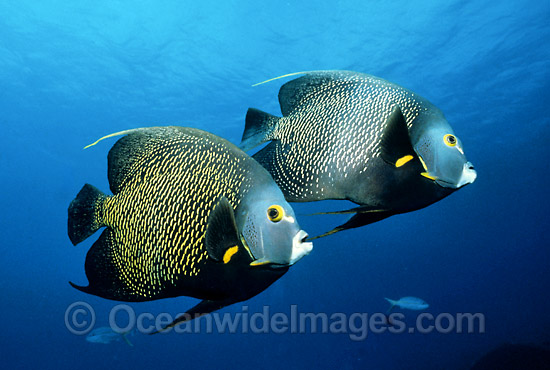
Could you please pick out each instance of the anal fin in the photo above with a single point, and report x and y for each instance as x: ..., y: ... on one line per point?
x: 203, y: 308
x: 104, y: 274
x: 358, y: 220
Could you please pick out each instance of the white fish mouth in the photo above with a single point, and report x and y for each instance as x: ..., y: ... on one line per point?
x: 469, y: 175
x: 300, y: 247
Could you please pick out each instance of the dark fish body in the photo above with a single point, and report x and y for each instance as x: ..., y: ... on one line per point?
x: 179, y: 221
x: 348, y: 135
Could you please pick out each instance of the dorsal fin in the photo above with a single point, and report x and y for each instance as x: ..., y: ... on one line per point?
x: 125, y: 151
x: 133, y: 147
x: 299, y: 91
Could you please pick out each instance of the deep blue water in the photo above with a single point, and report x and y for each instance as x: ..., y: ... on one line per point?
x: 71, y: 72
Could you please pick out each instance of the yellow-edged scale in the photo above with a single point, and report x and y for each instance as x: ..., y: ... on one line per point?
x: 349, y: 135
x: 191, y: 214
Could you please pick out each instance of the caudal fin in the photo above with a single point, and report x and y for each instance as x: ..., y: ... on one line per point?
x: 83, y: 213
x: 259, y: 127
x: 125, y: 338
x: 392, y: 304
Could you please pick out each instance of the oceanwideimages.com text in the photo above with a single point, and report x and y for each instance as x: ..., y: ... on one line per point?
x: 80, y: 319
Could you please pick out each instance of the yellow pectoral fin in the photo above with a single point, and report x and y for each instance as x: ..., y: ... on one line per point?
x: 427, y: 175
x: 401, y: 161
x: 229, y: 253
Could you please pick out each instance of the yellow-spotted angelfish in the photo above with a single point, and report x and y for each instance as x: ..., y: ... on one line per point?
x: 191, y: 214
x: 348, y: 135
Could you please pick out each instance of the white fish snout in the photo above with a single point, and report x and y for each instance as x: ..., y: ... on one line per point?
x: 469, y: 175
x: 300, y: 247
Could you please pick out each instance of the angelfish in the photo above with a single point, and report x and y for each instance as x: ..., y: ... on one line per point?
x: 348, y: 135
x: 191, y: 214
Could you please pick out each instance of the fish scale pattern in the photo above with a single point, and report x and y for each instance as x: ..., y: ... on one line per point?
x: 333, y: 130
x: 158, y: 219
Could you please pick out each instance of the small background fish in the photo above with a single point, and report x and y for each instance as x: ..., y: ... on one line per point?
x: 409, y: 303
x: 106, y: 335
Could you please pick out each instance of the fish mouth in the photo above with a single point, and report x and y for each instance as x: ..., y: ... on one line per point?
x: 467, y: 176
x: 300, y: 247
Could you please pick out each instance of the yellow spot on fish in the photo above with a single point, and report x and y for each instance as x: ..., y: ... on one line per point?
x: 401, y: 161
x: 259, y: 262
x: 427, y: 175
x: 229, y: 253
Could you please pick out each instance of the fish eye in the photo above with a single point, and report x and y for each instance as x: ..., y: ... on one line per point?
x: 450, y: 140
x: 275, y: 213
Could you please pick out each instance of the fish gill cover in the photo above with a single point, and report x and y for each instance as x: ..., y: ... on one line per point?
x: 71, y: 72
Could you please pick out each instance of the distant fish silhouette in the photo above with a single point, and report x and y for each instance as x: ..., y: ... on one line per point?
x: 409, y: 303
x: 106, y: 335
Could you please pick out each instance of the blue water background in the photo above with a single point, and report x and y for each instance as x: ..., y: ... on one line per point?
x: 71, y: 72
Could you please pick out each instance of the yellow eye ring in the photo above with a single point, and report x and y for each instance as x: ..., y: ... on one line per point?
x: 450, y: 140
x: 275, y: 213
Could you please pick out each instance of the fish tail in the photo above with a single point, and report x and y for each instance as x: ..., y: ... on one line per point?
x: 84, y: 217
x: 125, y: 338
x: 259, y: 128
x: 392, y: 304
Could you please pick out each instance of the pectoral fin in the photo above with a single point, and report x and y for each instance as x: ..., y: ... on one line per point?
x: 396, y: 147
x: 222, y: 237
